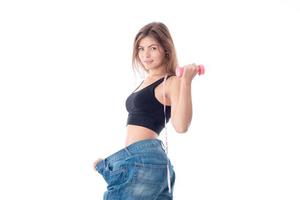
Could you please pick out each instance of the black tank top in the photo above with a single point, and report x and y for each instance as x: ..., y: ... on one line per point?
x: 145, y: 110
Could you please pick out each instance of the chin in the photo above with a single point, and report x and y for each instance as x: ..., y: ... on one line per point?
x: 149, y: 67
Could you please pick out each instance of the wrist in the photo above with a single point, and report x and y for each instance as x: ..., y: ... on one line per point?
x: 186, y: 84
x: 186, y: 81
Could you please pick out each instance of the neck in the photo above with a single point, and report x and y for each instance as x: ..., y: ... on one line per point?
x: 156, y: 73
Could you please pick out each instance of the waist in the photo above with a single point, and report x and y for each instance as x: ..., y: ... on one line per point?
x: 153, y: 147
x: 137, y: 133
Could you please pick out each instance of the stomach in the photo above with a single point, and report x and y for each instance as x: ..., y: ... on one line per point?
x: 137, y: 133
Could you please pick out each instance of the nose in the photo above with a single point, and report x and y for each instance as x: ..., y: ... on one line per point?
x: 147, y: 53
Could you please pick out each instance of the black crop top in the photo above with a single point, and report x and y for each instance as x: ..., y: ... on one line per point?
x: 145, y: 110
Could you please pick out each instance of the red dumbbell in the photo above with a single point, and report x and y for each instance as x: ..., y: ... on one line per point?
x: 179, y: 70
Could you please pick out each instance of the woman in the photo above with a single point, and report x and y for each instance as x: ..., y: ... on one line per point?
x: 142, y: 169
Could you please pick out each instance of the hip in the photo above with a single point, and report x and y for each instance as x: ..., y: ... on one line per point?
x: 139, y: 170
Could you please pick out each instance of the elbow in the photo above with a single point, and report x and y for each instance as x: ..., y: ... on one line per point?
x: 181, y: 129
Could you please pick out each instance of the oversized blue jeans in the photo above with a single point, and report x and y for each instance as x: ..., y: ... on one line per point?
x: 138, y: 172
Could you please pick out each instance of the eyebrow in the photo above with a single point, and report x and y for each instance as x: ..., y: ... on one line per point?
x: 150, y: 45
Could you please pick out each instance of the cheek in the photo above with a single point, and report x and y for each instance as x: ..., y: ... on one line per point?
x: 140, y: 56
x: 159, y: 57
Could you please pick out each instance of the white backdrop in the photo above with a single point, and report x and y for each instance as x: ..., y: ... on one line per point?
x: 65, y: 73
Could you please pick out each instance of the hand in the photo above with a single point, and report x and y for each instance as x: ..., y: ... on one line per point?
x: 189, y: 72
x: 96, y: 162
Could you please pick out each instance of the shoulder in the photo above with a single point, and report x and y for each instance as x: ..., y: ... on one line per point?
x: 172, y: 86
x: 173, y: 80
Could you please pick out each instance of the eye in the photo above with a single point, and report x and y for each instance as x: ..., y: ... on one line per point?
x: 140, y: 49
x: 154, y: 48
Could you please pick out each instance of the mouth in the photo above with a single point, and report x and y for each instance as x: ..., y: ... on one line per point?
x: 148, y: 62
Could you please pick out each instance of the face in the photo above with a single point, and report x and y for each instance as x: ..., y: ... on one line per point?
x: 151, y: 53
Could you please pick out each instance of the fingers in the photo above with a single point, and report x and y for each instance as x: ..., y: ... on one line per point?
x: 195, y: 68
x: 192, y: 66
x: 191, y: 70
x: 96, y: 162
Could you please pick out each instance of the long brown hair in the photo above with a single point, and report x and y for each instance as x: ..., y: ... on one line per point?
x: 161, y: 34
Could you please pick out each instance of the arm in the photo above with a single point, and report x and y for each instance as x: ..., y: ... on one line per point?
x: 181, y: 99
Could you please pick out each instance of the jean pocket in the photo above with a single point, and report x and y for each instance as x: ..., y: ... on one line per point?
x: 153, y: 174
x: 115, y: 175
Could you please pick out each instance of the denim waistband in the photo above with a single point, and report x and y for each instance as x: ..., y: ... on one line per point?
x: 148, y: 145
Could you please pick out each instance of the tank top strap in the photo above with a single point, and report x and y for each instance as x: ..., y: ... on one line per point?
x: 159, y: 81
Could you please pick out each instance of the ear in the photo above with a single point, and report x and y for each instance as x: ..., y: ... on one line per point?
x: 166, y: 53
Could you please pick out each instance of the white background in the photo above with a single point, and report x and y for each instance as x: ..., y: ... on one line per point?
x: 65, y: 73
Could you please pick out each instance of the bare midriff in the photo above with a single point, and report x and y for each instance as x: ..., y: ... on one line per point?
x: 138, y: 133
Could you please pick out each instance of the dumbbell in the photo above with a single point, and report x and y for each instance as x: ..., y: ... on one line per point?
x: 179, y: 70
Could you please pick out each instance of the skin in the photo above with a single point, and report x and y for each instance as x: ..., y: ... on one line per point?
x: 178, y: 91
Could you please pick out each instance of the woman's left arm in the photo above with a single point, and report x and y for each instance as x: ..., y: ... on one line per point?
x: 180, y: 96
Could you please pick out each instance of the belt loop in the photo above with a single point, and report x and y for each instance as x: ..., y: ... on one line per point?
x: 105, y: 163
x: 127, y: 151
x: 163, y: 145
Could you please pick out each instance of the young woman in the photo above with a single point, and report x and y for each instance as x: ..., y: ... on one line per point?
x: 142, y: 170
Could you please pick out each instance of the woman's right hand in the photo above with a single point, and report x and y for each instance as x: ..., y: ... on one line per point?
x: 96, y: 162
